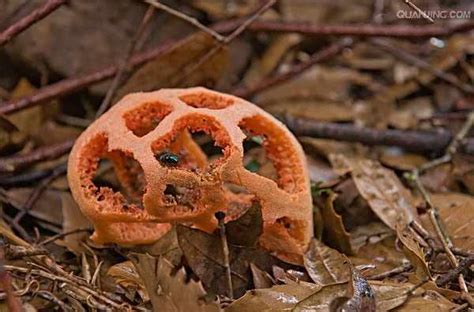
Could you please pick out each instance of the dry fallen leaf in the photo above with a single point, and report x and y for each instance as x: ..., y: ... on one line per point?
x: 170, y: 290
x: 334, y: 230
x: 382, y: 189
x: 73, y: 219
x: 311, y: 297
x: 325, y: 265
x: 430, y: 301
x: 414, y: 253
x: 126, y: 275
x: 168, y: 69
x: 456, y: 211
x: 246, y: 230
x: 203, y: 253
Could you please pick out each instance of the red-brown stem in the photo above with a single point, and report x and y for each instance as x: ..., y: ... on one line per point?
x: 13, y: 303
x: 70, y: 85
x: 15, y: 162
x: 362, y: 30
x: 271, y: 81
x: 25, y: 22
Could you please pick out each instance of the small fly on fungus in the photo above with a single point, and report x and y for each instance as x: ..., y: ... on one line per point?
x: 168, y: 159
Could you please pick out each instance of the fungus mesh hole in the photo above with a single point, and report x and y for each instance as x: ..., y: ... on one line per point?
x: 146, y: 117
x: 196, y: 143
x: 207, y: 100
x: 112, y: 178
x: 278, y: 149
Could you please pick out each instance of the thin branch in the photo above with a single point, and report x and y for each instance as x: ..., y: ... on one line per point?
x: 393, y: 272
x: 433, y: 211
x: 22, y: 179
x: 317, y: 57
x: 413, y: 60
x: 37, y: 14
x: 69, y: 85
x: 122, y: 68
x: 362, y: 30
x: 220, y: 216
x: 419, y: 11
x: 189, y: 19
x: 62, y: 235
x: 220, y: 45
x: 411, y: 140
x: 13, y: 303
x: 16, y: 162
x: 453, y: 274
x: 35, y: 195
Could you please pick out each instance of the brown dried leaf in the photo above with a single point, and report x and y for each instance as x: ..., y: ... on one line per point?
x: 382, y: 189
x: 388, y: 295
x: 73, y: 219
x: 456, y: 211
x: 334, y: 230
x: 402, y: 162
x: 41, y: 210
x: 246, y: 230
x: 261, y: 279
x: 170, y: 291
x: 203, y: 253
x: 290, y: 297
x: 326, y: 265
x: 166, y: 247
x: 168, y: 70
x: 125, y: 274
x: 382, y: 254
x: 270, y: 59
x: 430, y: 301
x: 67, y: 46
x: 320, y: 111
x: 311, y: 297
x: 414, y: 253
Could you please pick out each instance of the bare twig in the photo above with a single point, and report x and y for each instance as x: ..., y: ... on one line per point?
x: 420, y: 11
x: 37, y: 14
x: 395, y: 271
x: 432, y: 210
x: 453, y: 147
x: 16, y: 162
x: 317, y: 57
x: 413, y: 60
x: 69, y: 85
x: 122, y: 68
x: 62, y: 235
x: 14, y: 252
x: 220, y: 45
x: 60, y: 170
x: 225, y: 250
x: 415, y: 141
x: 189, y: 19
x: 13, y: 303
x: 22, y: 179
x: 362, y: 30
x: 453, y: 274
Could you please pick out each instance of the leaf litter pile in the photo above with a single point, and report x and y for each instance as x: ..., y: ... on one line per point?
x: 381, y: 103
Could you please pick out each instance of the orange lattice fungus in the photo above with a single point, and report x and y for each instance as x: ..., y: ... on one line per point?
x: 154, y: 143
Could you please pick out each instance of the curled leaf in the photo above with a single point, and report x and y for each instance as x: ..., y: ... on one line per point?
x: 325, y: 265
x: 380, y: 187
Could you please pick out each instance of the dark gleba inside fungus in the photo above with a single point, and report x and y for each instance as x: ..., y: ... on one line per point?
x: 167, y: 177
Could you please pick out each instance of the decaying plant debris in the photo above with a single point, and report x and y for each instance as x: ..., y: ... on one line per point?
x: 382, y: 105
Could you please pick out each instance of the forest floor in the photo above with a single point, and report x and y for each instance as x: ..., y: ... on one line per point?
x: 379, y: 94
